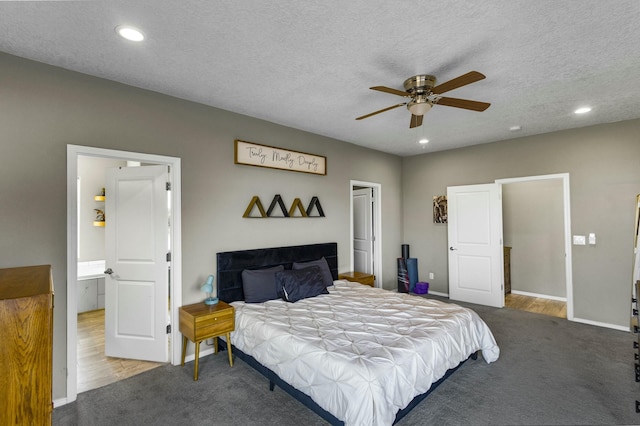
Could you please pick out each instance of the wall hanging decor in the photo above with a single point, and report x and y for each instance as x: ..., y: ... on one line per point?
x: 253, y: 154
x: 296, y: 206
x: 439, y: 209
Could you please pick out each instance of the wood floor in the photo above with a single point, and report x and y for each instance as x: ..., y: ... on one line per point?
x: 94, y: 368
x: 535, y: 304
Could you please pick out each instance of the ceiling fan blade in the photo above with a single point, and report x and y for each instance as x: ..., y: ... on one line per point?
x: 389, y: 90
x: 382, y: 110
x: 463, y: 80
x: 416, y: 121
x: 463, y: 103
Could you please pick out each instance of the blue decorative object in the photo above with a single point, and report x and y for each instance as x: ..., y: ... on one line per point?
x: 208, y: 288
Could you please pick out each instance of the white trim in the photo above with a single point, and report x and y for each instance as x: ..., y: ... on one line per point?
x: 73, y: 151
x: 539, y: 296
x: 59, y: 402
x: 202, y: 354
x: 438, y: 293
x: 602, y: 324
x: 377, y: 227
x: 568, y: 262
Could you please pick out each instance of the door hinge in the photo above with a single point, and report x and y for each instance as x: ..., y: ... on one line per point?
x: 169, y: 257
x: 168, y: 328
x: 168, y: 186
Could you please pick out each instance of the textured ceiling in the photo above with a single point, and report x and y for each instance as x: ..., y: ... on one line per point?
x: 309, y: 64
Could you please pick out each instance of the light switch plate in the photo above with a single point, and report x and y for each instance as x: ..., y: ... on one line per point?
x: 579, y: 240
x: 592, y: 239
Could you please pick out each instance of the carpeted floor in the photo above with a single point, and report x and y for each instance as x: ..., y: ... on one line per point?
x: 550, y: 372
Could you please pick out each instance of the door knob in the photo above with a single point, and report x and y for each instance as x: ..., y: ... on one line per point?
x: 109, y: 271
x: 452, y: 249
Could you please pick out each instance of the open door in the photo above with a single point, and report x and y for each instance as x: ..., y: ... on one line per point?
x: 137, y: 287
x: 363, y: 230
x: 475, y: 244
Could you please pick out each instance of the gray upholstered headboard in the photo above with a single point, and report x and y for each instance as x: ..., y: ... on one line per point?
x: 232, y: 263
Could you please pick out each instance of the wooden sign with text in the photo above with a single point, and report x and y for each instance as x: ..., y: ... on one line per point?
x: 253, y: 154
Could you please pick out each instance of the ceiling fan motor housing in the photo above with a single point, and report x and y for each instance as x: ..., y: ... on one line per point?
x: 419, y: 87
x: 419, y: 84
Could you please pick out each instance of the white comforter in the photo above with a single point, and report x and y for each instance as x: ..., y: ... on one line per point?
x: 361, y: 353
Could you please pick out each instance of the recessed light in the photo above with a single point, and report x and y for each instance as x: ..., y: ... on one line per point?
x: 423, y: 141
x: 582, y: 110
x: 130, y: 33
x: 515, y: 128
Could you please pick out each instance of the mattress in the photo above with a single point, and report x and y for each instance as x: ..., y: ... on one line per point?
x: 361, y: 353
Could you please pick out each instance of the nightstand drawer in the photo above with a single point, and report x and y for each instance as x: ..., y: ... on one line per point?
x: 213, y: 327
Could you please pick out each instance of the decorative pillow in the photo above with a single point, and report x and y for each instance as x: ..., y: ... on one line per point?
x: 259, y: 285
x: 301, y: 284
x: 324, y: 269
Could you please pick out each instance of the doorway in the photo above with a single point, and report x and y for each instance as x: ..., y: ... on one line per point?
x: 372, y: 192
x: 175, y: 294
x: 566, y: 233
x: 555, y: 287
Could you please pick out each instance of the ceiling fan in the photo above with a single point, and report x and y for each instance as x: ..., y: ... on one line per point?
x: 424, y: 94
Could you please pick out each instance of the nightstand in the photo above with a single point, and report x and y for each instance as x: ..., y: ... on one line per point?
x: 359, y: 277
x: 199, y: 322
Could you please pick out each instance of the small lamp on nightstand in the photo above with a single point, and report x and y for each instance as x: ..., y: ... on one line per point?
x: 208, y: 288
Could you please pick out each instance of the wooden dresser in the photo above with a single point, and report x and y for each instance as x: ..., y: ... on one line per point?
x: 26, y: 336
x: 507, y: 270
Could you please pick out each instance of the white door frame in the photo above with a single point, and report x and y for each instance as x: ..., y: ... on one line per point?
x: 73, y: 151
x: 566, y: 196
x: 377, y: 227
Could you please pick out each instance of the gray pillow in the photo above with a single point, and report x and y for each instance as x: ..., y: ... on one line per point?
x: 301, y: 284
x: 324, y: 269
x: 259, y: 285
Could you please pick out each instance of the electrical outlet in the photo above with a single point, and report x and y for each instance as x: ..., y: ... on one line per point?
x: 431, y: 275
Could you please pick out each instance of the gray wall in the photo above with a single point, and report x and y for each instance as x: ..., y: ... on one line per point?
x: 92, y: 177
x: 603, y: 163
x: 533, y: 226
x: 43, y: 108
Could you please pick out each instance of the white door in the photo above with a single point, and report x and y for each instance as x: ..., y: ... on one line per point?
x: 136, y: 286
x: 475, y: 244
x: 362, y: 230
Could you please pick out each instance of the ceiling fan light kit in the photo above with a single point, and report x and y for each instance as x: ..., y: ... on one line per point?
x: 424, y: 94
x: 419, y: 108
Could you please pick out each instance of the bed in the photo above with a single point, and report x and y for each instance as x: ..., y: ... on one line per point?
x: 353, y: 354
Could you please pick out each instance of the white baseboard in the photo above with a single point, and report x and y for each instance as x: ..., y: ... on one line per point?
x: 205, y: 352
x: 540, y: 296
x: 601, y: 324
x: 60, y: 402
x: 437, y: 293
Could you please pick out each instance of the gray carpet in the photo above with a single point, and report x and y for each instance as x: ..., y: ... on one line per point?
x: 550, y: 372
